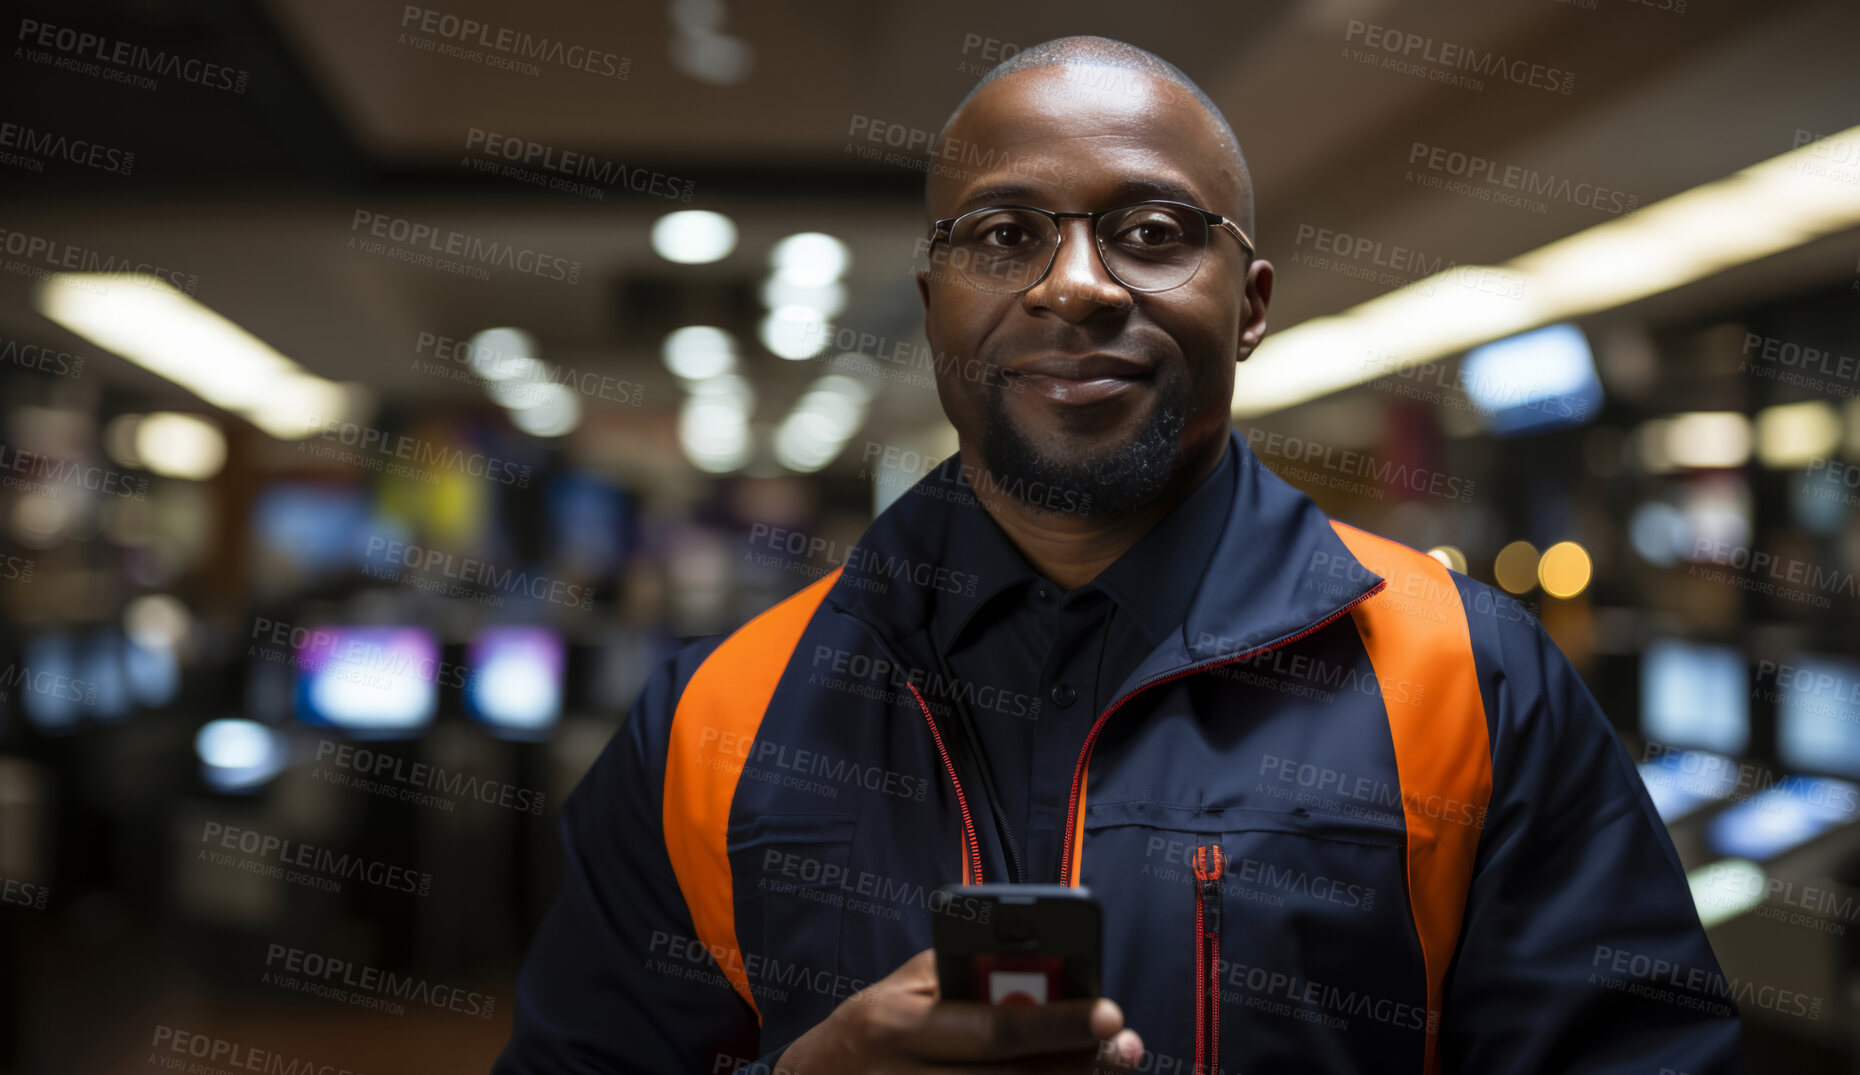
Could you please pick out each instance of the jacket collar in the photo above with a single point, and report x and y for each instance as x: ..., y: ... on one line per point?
x: 1278, y: 569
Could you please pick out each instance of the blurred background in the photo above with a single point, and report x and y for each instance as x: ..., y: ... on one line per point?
x: 387, y: 389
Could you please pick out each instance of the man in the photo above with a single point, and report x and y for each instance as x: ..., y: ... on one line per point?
x: 1345, y: 811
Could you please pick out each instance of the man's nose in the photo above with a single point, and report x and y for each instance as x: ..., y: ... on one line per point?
x: 1078, y: 284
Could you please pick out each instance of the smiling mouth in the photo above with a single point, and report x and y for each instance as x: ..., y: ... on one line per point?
x: 1076, y: 390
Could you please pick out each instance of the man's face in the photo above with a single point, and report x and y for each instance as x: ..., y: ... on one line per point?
x: 1092, y: 386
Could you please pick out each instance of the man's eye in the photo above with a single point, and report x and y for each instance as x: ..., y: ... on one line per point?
x: 1150, y: 233
x: 1004, y: 234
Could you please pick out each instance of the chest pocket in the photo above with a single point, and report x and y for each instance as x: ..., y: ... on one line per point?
x: 790, y: 873
x: 1259, y: 939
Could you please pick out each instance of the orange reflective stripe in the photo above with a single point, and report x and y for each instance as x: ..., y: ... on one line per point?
x: 1416, y: 634
x: 718, y: 716
x: 1078, y: 842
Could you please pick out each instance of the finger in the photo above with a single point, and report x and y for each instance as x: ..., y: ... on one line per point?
x: 1122, y: 1053
x: 970, y: 1030
x: 1106, y: 1018
x: 918, y: 973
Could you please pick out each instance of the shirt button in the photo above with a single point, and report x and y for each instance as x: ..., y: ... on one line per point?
x: 1062, y: 695
x: 1040, y: 592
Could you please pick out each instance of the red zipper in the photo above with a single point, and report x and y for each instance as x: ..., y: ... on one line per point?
x: 1210, y: 866
x: 1066, y: 865
x: 972, y: 848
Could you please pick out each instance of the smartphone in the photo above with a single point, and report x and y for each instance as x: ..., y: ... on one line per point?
x: 1023, y: 944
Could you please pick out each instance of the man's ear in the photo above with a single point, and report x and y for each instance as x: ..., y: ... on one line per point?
x: 923, y: 287
x: 1258, y: 296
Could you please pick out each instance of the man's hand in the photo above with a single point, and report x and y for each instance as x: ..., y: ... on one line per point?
x: 899, y: 1025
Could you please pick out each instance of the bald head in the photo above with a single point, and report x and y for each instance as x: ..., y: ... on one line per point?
x: 1113, y: 58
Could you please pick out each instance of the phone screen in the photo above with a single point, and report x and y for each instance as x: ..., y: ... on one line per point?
x: 1019, y: 944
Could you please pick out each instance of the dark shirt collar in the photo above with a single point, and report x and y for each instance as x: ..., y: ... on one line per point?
x: 1153, y: 582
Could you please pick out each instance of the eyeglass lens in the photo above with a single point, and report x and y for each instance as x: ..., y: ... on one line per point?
x: 1147, y: 247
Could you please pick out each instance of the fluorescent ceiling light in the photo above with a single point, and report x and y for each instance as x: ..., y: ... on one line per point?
x: 696, y: 352
x: 694, y: 236
x: 1776, y: 205
x: 810, y: 259
x: 823, y: 420
x: 180, y: 445
x: 794, y: 332
x: 153, y: 324
x: 556, y: 411
x: 1797, y: 434
x: 1708, y: 439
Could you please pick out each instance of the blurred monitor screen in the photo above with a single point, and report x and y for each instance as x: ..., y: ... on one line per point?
x: 1534, y: 382
x: 1694, y: 695
x: 589, y: 522
x: 375, y: 682
x: 1818, y: 714
x: 312, y: 526
x: 1783, y: 817
x: 1681, y: 781
x: 514, y: 680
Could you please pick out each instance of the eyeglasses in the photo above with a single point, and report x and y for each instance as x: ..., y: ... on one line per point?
x: 1149, y: 246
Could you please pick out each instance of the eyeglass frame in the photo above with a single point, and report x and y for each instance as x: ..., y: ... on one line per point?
x: 945, y: 229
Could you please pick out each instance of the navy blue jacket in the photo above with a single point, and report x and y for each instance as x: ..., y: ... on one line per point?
x: 1357, y: 814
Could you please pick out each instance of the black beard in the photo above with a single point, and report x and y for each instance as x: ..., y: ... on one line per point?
x: 1114, y: 482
